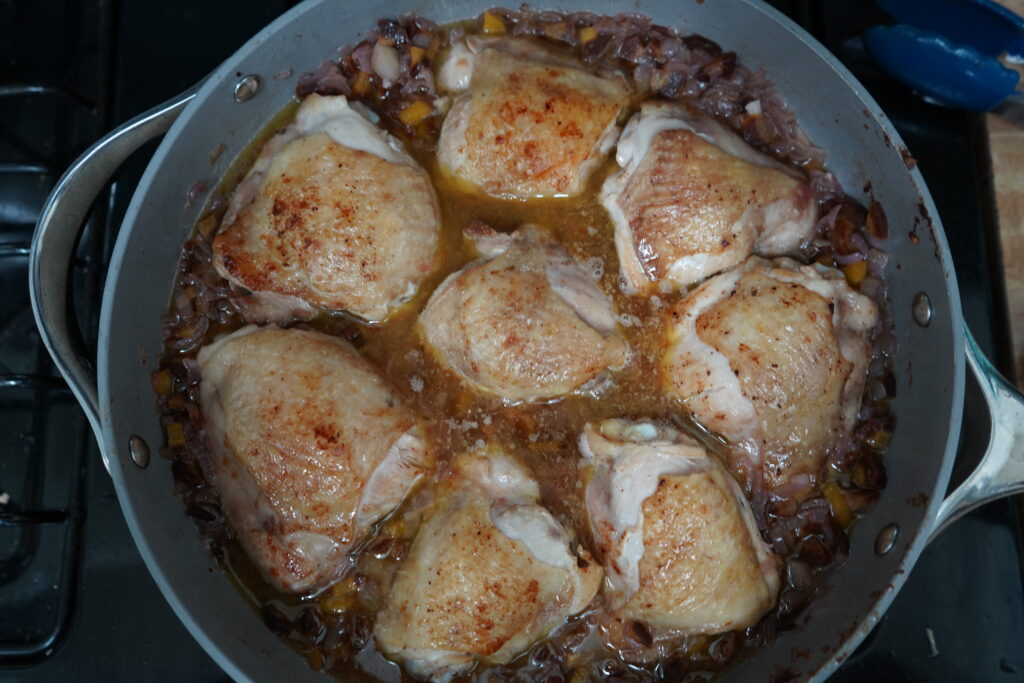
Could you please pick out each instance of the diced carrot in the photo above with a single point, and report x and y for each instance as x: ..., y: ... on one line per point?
x: 175, y: 434
x: 163, y: 382
x: 587, y: 34
x: 492, y: 23
x: 855, y: 272
x: 361, y: 86
x: 339, y: 597
x: 837, y: 501
x: 416, y: 55
x: 176, y: 402
x: 414, y: 113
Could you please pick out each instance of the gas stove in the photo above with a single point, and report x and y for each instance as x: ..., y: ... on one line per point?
x: 76, y: 599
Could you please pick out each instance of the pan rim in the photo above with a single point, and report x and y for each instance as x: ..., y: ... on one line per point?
x: 215, y: 84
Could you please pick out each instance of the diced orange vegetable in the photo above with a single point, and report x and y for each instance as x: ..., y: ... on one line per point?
x: 879, y: 441
x: 855, y: 272
x: 492, y: 23
x: 414, y: 113
x: 315, y: 660
x: 163, y: 382
x: 416, y: 55
x: 587, y: 34
x: 361, y: 86
x: 175, y: 434
x: 176, y: 402
x: 339, y: 597
x: 837, y: 501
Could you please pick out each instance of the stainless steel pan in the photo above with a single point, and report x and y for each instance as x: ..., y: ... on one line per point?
x: 225, y: 109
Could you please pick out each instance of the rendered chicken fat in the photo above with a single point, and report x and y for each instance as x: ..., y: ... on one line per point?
x: 309, y: 447
x: 490, y: 571
x: 334, y: 215
x: 677, y: 538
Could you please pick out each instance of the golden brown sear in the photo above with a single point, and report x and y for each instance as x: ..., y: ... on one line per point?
x: 322, y: 224
x: 528, y: 127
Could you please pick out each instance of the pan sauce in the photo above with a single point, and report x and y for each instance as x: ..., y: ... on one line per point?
x: 334, y: 629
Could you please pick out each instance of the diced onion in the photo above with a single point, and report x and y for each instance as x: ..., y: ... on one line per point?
x: 385, y: 63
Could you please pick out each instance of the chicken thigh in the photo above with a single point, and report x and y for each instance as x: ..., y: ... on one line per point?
x: 773, y: 356
x: 528, y: 124
x: 677, y: 538
x: 525, y: 324
x: 692, y: 199
x: 309, y: 447
x: 490, y: 571
x: 334, y: 215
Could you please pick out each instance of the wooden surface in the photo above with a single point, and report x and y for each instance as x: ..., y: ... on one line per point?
x: 1007, y: 142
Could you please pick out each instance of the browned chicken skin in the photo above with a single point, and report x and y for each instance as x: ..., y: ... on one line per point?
x: 527, y: 126
x: 320, y: 224
x: 773, y: 356
x: 490, y: 571
x: 675, y: 533
x: 309, y: 447
x: 693, y: 199
x: 527, y: 324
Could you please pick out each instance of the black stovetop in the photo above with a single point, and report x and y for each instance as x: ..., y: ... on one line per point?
x: 76, y: 602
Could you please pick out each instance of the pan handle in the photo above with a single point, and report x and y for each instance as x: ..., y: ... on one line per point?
x: 53, y: 245
x: 1001, y: 470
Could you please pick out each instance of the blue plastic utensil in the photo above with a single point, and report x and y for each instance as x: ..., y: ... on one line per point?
x: 949, y: 50
x: 954, y: 74
x: 989, y: 28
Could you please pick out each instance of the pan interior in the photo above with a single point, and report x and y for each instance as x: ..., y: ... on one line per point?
x: 835, y: 112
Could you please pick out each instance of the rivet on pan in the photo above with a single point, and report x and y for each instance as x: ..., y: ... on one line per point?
x: 922, y: 309
x: 139, y: 450
x: 246, y: 88
x: 886, y: 539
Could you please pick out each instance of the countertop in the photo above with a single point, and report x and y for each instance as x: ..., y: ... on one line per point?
x: 1007, y: 145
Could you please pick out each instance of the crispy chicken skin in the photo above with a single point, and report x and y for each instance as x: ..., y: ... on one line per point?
x: 677, y: 538
x: 773, y: 356
x: 309, y: 448
x: 334, y: 216
x: 692, y: 199
x: 527, y: 323
x: 490, y: 572
x: 528, y: 125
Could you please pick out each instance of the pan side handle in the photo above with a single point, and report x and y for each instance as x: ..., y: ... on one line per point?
x: 53, y: 245
x: 1001, y: 470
